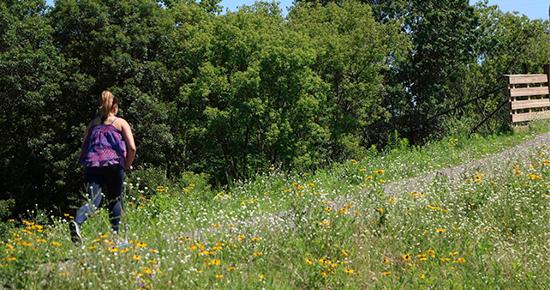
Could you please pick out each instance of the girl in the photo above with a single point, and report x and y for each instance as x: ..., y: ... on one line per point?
x: 108, y: 150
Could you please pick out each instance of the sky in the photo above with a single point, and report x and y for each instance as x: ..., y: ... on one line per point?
x: 534, y: 9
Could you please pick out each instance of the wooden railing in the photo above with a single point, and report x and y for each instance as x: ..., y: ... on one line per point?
x: 529, y: 96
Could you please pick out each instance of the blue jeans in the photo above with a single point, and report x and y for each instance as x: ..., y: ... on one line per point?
x: 103, y: 183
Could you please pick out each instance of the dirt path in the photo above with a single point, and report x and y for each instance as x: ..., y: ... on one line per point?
x: 491, y: 166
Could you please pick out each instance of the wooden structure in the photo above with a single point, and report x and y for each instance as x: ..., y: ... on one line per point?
x: 529, y: 96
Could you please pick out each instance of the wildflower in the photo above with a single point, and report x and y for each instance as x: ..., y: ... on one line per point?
x: 147, y: 271
x: 392, y: 200
x: 92, y: 248
x: 141, y: 245
x: 256, y: 239
x: 431, y: 253
x: 517, y: 170
x: 219, y: 276
x: 324, y: 273
x: 214, y: 262
x: 153, y: 251
x: 10, y: 258
x: 406, y: 258
x: 386, y: 260
x: 342, y: 211
x: 422, y: 276
x: 328, y: 209
x: 478, y: 177
x: 353, y: 161
x: 386, y: 273
x: 440, y: 230
x: 261, y: 277
x: 416, y: 195
x: 445, y: 259
x: 534, y: 177
x: 324, y: 222
x: 349, y: 271
x: 40, y: 241
x: 452, y: 254
x: 257, y: 254
x: 379, y: 171
x: 231, y: 268
x: 216, y: 225
x: 344, y: 253
x: 25, y: 244
x: 370, y: 177
x: 381, y: 210
x: 308, y: 261
x: 460, y: 261
x: 240, y: 238
x: 113, y: 250
x: 422, y: 257
x: 161, y: 188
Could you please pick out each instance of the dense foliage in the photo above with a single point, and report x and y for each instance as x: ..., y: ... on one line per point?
x: 233, y: 94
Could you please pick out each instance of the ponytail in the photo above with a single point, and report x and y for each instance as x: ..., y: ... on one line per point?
x: 107, y: 101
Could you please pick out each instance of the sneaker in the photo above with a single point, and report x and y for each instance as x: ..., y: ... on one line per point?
x: 74, y: 229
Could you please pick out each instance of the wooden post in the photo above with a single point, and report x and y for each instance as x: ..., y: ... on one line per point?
x: 547, y: 72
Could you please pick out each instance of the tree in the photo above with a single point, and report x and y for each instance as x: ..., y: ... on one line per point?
x: 34, y: 154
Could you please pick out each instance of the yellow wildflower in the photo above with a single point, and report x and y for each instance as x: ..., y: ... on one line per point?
x: 460, y: 260
x: 431, y: 253
x: 219, y: 276
x: 256, y: 239
x: 240, y: 238
x: 141, y: 245
x: 534, y: 177
x: 392, y: 200
x: 324, y: 222
x: 308, y: 261
x: 257, y: 254
x: 344, y: 253
x: 136, y: 257
x: 386, y: 260
x: 406, y: 258
x: 261, y: 277
x: 386, y: 273
x: 349, y: 271
x: 440, y: 230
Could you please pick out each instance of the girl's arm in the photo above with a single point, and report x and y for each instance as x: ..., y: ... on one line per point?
x: 130, y: 145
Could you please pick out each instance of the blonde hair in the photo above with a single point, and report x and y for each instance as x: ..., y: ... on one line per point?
x: 107, y: 101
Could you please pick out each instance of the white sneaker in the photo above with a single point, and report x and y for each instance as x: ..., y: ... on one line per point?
x: 74, y: 229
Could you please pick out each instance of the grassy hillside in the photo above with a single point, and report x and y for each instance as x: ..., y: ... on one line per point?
x: 486, y: 231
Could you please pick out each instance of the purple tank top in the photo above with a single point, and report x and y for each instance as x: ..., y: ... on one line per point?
x: 103, y: 146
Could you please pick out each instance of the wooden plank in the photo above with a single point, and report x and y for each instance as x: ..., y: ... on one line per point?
x: 523, y: 92
x: 527, y: 79
x: 530, y: 104
x: 530, y: 116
